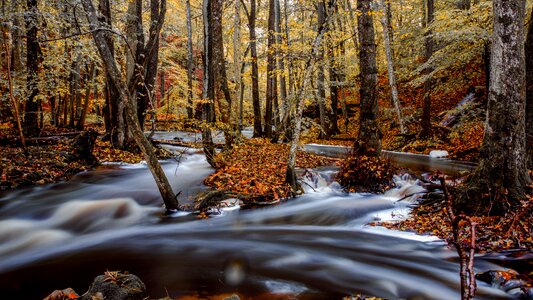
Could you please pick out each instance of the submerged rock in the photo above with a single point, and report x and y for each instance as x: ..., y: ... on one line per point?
x: 116, y: 286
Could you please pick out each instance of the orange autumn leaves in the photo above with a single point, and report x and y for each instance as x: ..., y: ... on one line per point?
x: 257, y: 169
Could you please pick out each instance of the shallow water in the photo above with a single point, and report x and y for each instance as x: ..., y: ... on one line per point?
x: 316, y: 246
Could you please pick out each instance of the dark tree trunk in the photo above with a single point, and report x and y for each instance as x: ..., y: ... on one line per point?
x: 31, y: 120
x: 208, y: 109
x: 146, y: 96
x: 190, y: 63
x: 369, y: 138
x: 114, y: 108
x: 219, y: 63
x: 272, y: 91
x: 91, y: 74
x: 334, y: 80
x: 280, y: 65
x: 529, y: 93
x: 502, y: 170
x: 258, y: 131
x: 428, y: 85
x: 321, y: 89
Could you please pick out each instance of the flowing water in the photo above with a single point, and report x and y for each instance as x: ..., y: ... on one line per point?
x: 314, y: 247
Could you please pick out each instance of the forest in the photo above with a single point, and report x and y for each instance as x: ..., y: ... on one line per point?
x: 276, y: 149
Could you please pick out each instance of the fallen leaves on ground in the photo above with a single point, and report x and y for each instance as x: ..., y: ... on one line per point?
x: 40, y: 165
x: 493, y: 233
x: 257, y: 168
x: 361, y: 173
x: 105, y: 152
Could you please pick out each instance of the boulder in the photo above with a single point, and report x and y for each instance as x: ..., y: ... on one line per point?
x: 116, y: 286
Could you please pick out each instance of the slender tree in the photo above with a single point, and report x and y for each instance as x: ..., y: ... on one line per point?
x: 369, y: 137
x: 258, y: 128
x: 290, y: 175
x: 271, y: 86
x: 529, y: 93
x: 114, y: 108
x: 208, y: 93
x: 190, y: 62
x: 321, y: 87
x: 31, y: 121
x: 428, y: 84
x: 385, y: 21
x: 502, y: 170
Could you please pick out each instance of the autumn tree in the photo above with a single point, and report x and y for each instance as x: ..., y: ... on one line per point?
x: 428, y: 84
x: 502, y: 171
x: 129, y: 98
x: 529, y: 92
x: 251, y: 14
x: 31, y: 121
x: 272, y: 85
x: 369, y: 137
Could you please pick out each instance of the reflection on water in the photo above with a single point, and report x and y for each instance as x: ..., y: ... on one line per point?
x: 316, y: 245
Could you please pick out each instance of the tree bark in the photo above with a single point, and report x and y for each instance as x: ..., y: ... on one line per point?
x: 321, y: 88
x: 280, y: 64
x: 502, y: 170
x: 31, y: 122
x: 271, y: 86
x: 529, y: 93
x: 114, y: 109
x: 385, y: 21
x: 428, y: 84
x: 258, y: 128
x: 290, y: 175
x: 99, y: 36
x: 369, y: 137
x: 91, y: 75
x: 190, y: 63
x: 237, y: 59
x: 208, y: 92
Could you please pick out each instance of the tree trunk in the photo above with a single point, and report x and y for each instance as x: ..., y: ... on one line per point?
x: 258, y: 128
x: 333, y: 77
x: 428, y: 85
x: 114, y: 110
x: 369, y: 138
x: 31, y: 122
x: 190, y: 62
x: 502, y: 169
x: 321, y: 89
x: 290, y: 175
x: 271, y: 86
x: 169, y: 198
x: 280, y: 64
x: 12, y: 99
x: 145, y: 100
x: 529, y: 93
x: 91, y: 75
x: 208, y: 85
x: 237, y: 55
x: 385, y: 21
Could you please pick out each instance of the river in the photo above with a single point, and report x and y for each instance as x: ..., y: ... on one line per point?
x: 314, y: 247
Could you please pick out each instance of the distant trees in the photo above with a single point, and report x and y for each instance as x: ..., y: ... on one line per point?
x: 502, y: 171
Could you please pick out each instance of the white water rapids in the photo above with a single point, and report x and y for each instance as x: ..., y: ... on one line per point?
x: 317, y: 245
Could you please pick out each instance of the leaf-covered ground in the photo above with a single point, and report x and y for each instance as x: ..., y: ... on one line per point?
x: 493, y: 233
x: 257, y: 169
x: 48, y: 163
